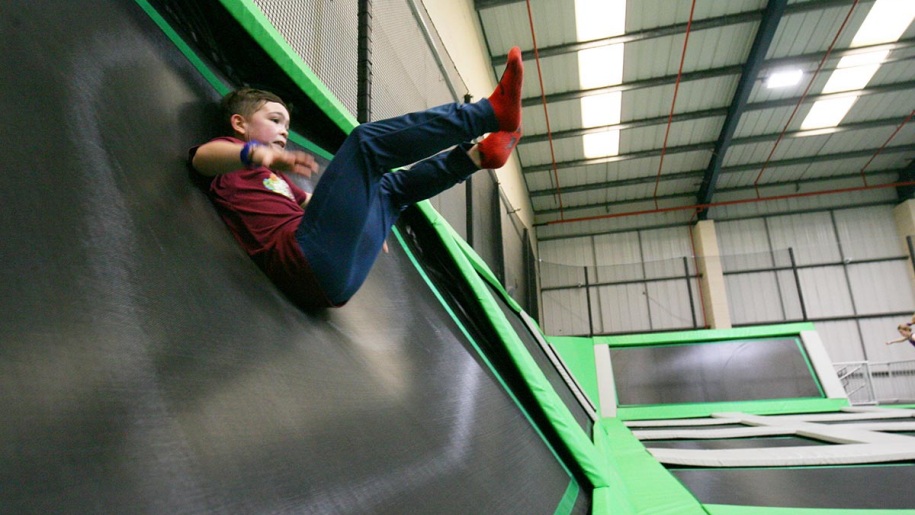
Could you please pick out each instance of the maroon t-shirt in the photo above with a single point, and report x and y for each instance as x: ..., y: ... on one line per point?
x: 263, y: 210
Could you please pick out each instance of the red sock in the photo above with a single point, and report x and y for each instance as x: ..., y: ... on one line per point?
x: 495, y: 148
x: 506, y: 99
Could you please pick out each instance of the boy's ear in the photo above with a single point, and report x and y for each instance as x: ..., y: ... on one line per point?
x: 238, y: 123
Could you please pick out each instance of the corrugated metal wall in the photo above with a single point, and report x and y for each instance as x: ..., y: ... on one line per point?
x: 844, y: 269
x: 636, y: 281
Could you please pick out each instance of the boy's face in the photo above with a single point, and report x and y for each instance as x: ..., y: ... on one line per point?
x: 268, y: 125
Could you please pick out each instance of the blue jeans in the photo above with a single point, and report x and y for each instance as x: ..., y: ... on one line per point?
x: 357, y: 200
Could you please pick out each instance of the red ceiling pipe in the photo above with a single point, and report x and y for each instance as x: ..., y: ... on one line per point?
x: 733, y: 202
x: 670, y: 117
x: 885, y: 143
x: 546, y: 114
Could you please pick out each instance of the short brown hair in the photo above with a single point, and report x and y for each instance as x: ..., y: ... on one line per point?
x: 246, y: 102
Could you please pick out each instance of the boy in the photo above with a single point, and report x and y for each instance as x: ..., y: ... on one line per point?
x: 319, y: 256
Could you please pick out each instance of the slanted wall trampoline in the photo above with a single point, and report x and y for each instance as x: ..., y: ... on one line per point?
x: 150, y: 367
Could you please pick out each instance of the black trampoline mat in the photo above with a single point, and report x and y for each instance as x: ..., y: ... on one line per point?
x: 150, y: 367
x: 739, y: 370
x: 864, y: 487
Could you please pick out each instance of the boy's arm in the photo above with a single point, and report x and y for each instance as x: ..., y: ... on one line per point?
x: 221, y: 157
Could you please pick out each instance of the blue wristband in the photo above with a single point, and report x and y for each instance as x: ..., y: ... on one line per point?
x: 246, y: 157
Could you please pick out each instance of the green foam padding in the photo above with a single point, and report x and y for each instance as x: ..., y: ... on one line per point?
x: 576, y: 441
x: 760, y: 407
x: 639, y: 484
x: 578, y: 356
x: 705, y: 335
x: 725, y: 509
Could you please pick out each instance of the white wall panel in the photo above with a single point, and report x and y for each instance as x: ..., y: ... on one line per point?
x: 841, y: 340
x: 616, y: 249
x: 553, y: 275
x: 569, y: 251
x: 621, y: 309
x: 881, y: 287
x: 664, y: 249
x: 791, y: 301
x: 754, y: 298
x: 742, y: 236
x: 826, y: 292
x: 565, y: 312
x: 868, y: 233
x: 669, y: 304
x: 811, y: 235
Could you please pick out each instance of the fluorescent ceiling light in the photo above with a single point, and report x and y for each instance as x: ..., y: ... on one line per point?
x: 827, y: 113
x: 885, y: 22
x: 599, y: 67
x: 783, y: 79
x: 599, y: 110
x: 596, y: 19
x: 602, y: 144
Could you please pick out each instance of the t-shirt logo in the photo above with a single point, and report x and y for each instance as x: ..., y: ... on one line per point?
x: 276, y: 184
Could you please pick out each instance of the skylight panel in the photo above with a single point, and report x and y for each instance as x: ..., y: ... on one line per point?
x: 601, y: 144
x: 599, y: 110
x: 600, y: 67
x: 596, y: 19
x: 886, y: 22
x: 827, y: 113
x: 850, y: 79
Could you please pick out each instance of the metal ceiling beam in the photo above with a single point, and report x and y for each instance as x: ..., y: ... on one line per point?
x: 724, y: 71
x: 759, y: 138
x: 528, y: 169
x: 479, y: 5
x: 714, y: 112
x: 905, y: 175
x: 855, y: 175
x: 868, y: 152
x: 659, y: 32
x: 775, y: 9
x: 653, y: 226
x: 711, y: 73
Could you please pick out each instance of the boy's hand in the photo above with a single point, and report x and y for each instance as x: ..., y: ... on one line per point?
x: 294, y: 161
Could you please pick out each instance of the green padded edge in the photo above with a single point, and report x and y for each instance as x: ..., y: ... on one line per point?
x: 184, y: 48
x: 576, y: 441
x: 567, y: 502
x: 727, y: 509
x: 252, y: 19
x: 579, y: 362
x: 578, y: 355
x: 639, y: 483
x: 760, y: 407
x: 705, y: 335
